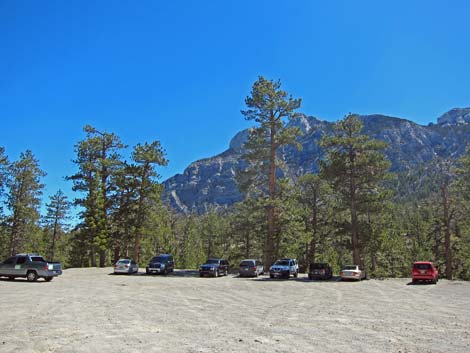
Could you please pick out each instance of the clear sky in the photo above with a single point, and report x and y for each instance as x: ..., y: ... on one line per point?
x: 178, y: 71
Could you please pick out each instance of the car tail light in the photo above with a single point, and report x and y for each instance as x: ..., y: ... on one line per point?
x: 46, y: 267
x: 254, y: 268
x: 355, y: 273
x: 341, y: 273
x: 322, y: 272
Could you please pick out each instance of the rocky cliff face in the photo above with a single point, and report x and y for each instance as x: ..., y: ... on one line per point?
x: 456, y: 116
x: 210, y: 182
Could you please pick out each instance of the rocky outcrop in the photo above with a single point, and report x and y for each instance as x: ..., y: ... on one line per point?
x: 456, y: 116
x: 210, y: 182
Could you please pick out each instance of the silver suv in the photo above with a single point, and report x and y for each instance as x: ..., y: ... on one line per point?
x: 284, y: 268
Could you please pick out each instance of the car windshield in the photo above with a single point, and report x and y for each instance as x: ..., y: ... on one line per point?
x: 159, y: 259
x: 37, y: 258
x: 212, y: 261
x: 282, y: 263
x: 350, y: 268
x: 422, y: 266
x: 123, y: 262
x: 247, y: 263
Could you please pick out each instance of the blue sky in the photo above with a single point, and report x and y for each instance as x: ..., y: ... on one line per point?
x: 178, y: 71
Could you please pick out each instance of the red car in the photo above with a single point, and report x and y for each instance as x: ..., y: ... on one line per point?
x: 424, y: 271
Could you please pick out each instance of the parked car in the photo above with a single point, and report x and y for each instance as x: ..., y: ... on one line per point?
x: 284, y: 268
x: 162, y: 264
x: 424, y: 271
x: 251, y: 268
x: 214, y: 267
x: 126, y: 266
x: 352, y: 272
x: 319, y: 270
x: 30, y: 266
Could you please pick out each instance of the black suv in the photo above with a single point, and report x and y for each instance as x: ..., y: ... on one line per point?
x: 320, y: 270
x: 214, y: 267
x: 162, y: 264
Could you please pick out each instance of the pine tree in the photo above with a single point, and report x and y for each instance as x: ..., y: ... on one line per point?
x: 23, y: 200
x: 146, y: 157
x: 55, y: 219
x: 98, y: 160
x: 269, y: 107
x: 355, y: 169
x: 317, y: 198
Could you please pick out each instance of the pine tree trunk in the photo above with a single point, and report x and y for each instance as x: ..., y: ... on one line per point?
x: 354, y: 236
x: 14, y: 235
x: 270, y: 212
x: 447, y: 235
x: 140, y: 215
x: 93, y: 256
x: 247, y: 248
x: 102, y: 258
x: 314, y: 223
x: 354, y: 226
x: 117, y: 252
x: 54, y: 235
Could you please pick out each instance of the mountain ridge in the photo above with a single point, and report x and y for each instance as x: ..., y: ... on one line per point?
x: 209, y: 182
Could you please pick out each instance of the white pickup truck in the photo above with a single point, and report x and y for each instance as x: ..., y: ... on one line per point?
x: 29, y: 266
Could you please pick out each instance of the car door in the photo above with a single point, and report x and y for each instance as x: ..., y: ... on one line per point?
x: 134, y: 266
x: 20, y: 269
x: 7, y: 267
x: 291, y: 267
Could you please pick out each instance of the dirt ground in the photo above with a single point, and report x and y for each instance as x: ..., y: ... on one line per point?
x: 89, y: 310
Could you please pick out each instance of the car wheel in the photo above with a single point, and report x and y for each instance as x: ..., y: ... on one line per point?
x: 296, y: 275
x: 201, y: 275
x: 226, y: 273
x: 216, y: 273
x: 48, y: 279
x: 31, y: 276
x: 271, y: 276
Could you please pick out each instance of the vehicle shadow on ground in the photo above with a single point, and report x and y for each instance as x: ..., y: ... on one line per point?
x: 22, y: 280
x: 300, y: 280
x: 420, y: 283
x: 175, y: 273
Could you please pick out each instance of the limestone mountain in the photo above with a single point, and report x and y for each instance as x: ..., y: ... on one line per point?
x: 210, y: 182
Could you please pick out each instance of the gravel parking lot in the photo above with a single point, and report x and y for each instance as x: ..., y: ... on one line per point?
x: 89, y: 310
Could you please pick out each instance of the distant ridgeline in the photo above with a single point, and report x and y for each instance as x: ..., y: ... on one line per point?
x: 210, y: 182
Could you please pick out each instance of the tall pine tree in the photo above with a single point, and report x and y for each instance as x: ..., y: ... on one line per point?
x: 355, y: 167
x: 270, y: 108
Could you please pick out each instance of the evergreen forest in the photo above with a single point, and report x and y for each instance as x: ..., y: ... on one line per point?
x: 351, y: 212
